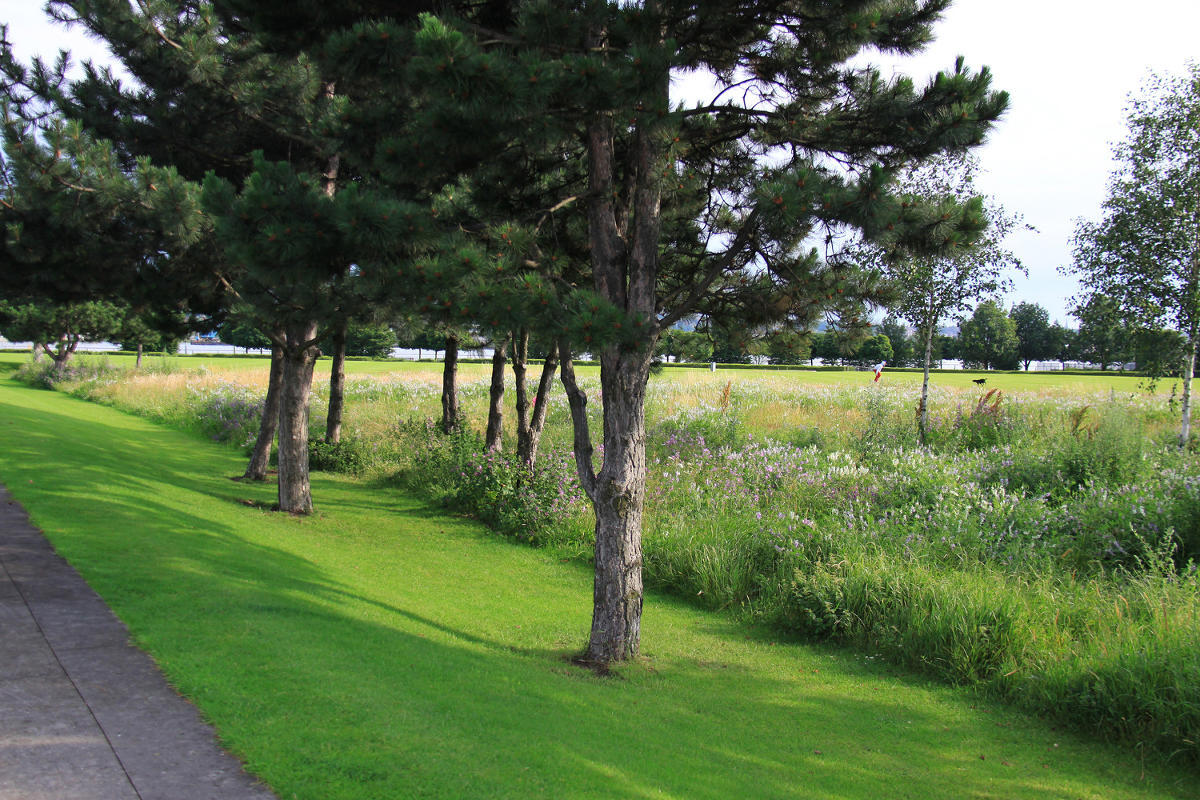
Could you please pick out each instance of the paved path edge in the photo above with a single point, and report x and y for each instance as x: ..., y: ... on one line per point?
x: 87, y: 715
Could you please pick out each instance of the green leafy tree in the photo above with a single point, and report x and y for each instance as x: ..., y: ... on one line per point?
x: 425, y: 337
x: 1159, y: 352
x: 1034, y: 342
x: 729, y: 346
x: 1104, y: 337
x: 683, y: 345
x: 762, y: 155
x: 875, y: 349
x: 371, y: 341
x: 827, y: 347
x: 945, y: 346
x: 1064, y: 344
x: 364, y: 340
x: 242, y: 332
x: 902, y: 343
x: 989, y: 338
x: 786, y: 346
x: 148, y: 331
x: 1145, y: 251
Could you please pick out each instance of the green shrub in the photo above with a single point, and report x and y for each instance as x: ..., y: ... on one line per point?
x: 46, y: 374
x: 498, y: 488
x: 350, y: 455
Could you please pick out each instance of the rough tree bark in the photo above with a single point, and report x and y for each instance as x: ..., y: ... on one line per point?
x: 61, y: 354
x: 618, y: 500
x: 624, y: 250
x: 299, y: 357
x: 494, y: 439
x: 260, y: 458
x: 450, y: 413
x: 337, y: 385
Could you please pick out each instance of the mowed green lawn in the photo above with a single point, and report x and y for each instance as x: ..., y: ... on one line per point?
x: 381, y: 649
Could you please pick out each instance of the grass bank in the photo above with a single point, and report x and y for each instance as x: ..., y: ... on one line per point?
x: 381, y: 649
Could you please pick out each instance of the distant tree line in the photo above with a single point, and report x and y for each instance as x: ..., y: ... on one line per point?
x: 990, y: 338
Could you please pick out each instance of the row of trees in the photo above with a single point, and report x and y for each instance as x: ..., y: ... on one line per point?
x: 989, y: 338
x: 519, y: 171
x: 513, y: 168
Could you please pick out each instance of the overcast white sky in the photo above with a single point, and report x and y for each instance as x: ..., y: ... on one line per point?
x: 1069, y: 66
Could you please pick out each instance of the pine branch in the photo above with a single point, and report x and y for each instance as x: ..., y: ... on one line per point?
x: 157, y: 31
x: 743, y: 238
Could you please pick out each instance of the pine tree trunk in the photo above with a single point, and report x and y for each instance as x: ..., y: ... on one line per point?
x: 260, y: 458
x: 1189, y: 369
x: 337, y: 385
x: 527, y: 445
x: 624, y: 227
x: 494, y: 440
x: 138, y: 363
x: 530, y: 422
x: 450, y: 413
x: 300, y: 355
x: 62, y: 355
x: 618, y: 495
x: 923, y: 408
x: 619, y: 498
x: 37, y: 352
x: 624, y: 244
x: 577, y: 401
x: 520, y: 356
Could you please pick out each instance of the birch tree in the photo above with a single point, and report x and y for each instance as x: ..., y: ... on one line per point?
x: 1144, y: 252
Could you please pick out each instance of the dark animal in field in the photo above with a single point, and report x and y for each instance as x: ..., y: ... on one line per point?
x: 979, y: 381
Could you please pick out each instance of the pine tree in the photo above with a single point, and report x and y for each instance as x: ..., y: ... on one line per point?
x: 601, y: 71
x: 189, y: 73
x: 83, y: 230
x: 59, y: 328
x: 200, y: 62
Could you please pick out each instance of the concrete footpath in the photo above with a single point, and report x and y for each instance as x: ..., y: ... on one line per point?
x: 85, y: 715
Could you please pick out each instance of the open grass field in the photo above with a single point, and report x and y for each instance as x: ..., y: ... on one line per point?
x: 1031, y: 381
x: 384, y: 649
